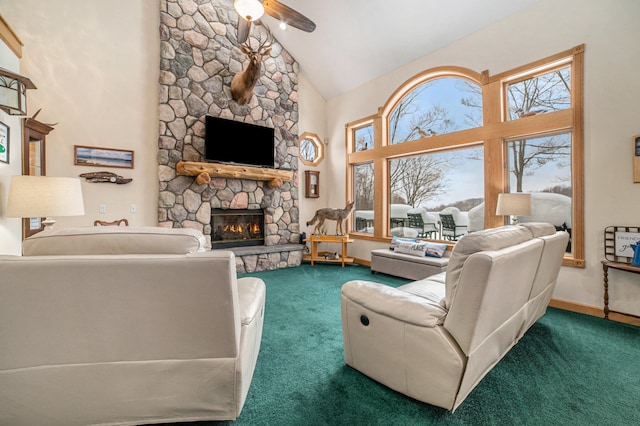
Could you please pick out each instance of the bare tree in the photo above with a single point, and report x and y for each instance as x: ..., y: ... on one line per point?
x: 307, y: 150
x: 473, y: 103
x: 363, y: 186
x: 406, y: 107
x: 536, y: 95
x: 544, y: 93
x: 408, y: 122
x: 364, y: 138
x: 415, y: 180
x: 418, y: 179
x: 528, y: 155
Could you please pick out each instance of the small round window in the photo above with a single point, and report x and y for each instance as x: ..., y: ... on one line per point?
x: 311, y: 149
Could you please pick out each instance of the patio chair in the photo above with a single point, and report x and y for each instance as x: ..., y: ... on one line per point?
x: 425, y: 230
x: 451, y: 231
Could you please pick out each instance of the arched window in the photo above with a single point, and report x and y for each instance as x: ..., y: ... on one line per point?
x: 437, y: 106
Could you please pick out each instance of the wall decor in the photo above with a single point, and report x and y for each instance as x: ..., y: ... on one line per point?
x: 244, y: 82
x: 4, y: 143
x: 636, y: 159
x: 34, y: 141
x: 34, y: 163
x: 105, y: 177
x: 102, y: 157
x: 617, y: 242
x: 312, y: 184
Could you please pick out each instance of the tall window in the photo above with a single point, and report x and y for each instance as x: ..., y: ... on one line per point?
x: 541, y: 166
x: 447, y: 141
x: 363, y: 193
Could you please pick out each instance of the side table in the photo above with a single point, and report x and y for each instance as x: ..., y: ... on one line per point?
x: 606, y: 264
x: 318, y: 257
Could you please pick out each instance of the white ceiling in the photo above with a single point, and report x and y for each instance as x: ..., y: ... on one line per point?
x: 356, y: 41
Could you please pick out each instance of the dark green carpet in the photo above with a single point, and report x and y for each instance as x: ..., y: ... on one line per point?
x: 569, y: 369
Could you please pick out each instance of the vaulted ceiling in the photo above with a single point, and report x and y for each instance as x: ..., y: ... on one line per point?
x: 356, y: 41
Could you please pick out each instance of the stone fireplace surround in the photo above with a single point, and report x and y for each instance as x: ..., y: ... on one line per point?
x: 198, y: 57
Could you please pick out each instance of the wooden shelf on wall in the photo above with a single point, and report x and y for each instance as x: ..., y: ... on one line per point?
x: 205, y: 171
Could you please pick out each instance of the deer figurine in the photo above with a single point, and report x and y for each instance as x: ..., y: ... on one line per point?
x: 243, y: 82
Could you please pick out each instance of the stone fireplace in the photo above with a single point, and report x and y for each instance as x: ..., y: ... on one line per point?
x: 199, y: 55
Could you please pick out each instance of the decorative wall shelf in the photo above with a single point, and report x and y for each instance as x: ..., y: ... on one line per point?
x: 204, y: 172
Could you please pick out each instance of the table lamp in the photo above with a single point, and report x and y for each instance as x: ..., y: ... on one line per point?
x: 45, y: 196
x: 514, y: 204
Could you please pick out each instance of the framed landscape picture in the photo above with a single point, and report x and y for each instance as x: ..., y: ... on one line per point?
x: 4, y: 143
x: 102, y: 157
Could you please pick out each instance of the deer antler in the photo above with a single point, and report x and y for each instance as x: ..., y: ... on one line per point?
x: 263, y: 45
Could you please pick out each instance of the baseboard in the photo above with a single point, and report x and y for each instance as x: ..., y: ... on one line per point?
x: 577, y: 307
x: 594, y: 311
x: 362, y: 262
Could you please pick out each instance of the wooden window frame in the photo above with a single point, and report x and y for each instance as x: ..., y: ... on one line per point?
x: 493, y: 134
x: 315, y: 141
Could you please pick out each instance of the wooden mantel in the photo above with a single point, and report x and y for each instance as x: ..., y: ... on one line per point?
x: 204, y: 172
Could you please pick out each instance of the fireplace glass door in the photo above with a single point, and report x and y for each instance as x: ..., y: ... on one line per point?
x: 236, y: 228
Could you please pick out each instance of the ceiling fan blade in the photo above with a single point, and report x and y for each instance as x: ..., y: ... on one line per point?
x: 289, y: 16
x: 244, y: 27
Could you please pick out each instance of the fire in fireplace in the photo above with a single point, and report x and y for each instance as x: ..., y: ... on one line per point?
x: 236, y: 228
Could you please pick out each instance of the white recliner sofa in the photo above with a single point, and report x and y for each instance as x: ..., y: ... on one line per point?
x: 96, y: 330
x: 436, y: 338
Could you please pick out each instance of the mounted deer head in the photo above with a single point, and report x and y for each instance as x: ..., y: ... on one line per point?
x: 243, y: 82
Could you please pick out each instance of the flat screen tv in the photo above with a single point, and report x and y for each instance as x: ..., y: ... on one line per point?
x: 235, y: 142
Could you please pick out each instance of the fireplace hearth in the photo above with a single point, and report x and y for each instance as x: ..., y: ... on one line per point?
x: 236, y: 228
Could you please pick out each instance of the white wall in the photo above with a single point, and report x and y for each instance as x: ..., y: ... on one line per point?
x: 96, y: 66
x: 610, y: 33
x: 312, y: 119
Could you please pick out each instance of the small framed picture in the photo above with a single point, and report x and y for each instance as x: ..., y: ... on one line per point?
x: 4, y: 143
x: 636, y: 159
x: 623, y: 241
x: 102, y: 157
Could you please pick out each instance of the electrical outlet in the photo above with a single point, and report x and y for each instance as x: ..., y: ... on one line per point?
x: 134, y: 208
x: 103, y: 208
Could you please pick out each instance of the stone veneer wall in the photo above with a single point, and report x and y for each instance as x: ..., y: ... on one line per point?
x: 199, y: 56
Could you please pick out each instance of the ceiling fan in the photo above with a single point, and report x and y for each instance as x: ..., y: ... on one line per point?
x: 251, y: 10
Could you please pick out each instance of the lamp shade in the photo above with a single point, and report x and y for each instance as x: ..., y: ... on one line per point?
x: 43, y: 196
x: 249, y: 9
x: 514, y: 204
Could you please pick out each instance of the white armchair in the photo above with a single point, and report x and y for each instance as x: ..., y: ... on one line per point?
x: 131, y: 338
